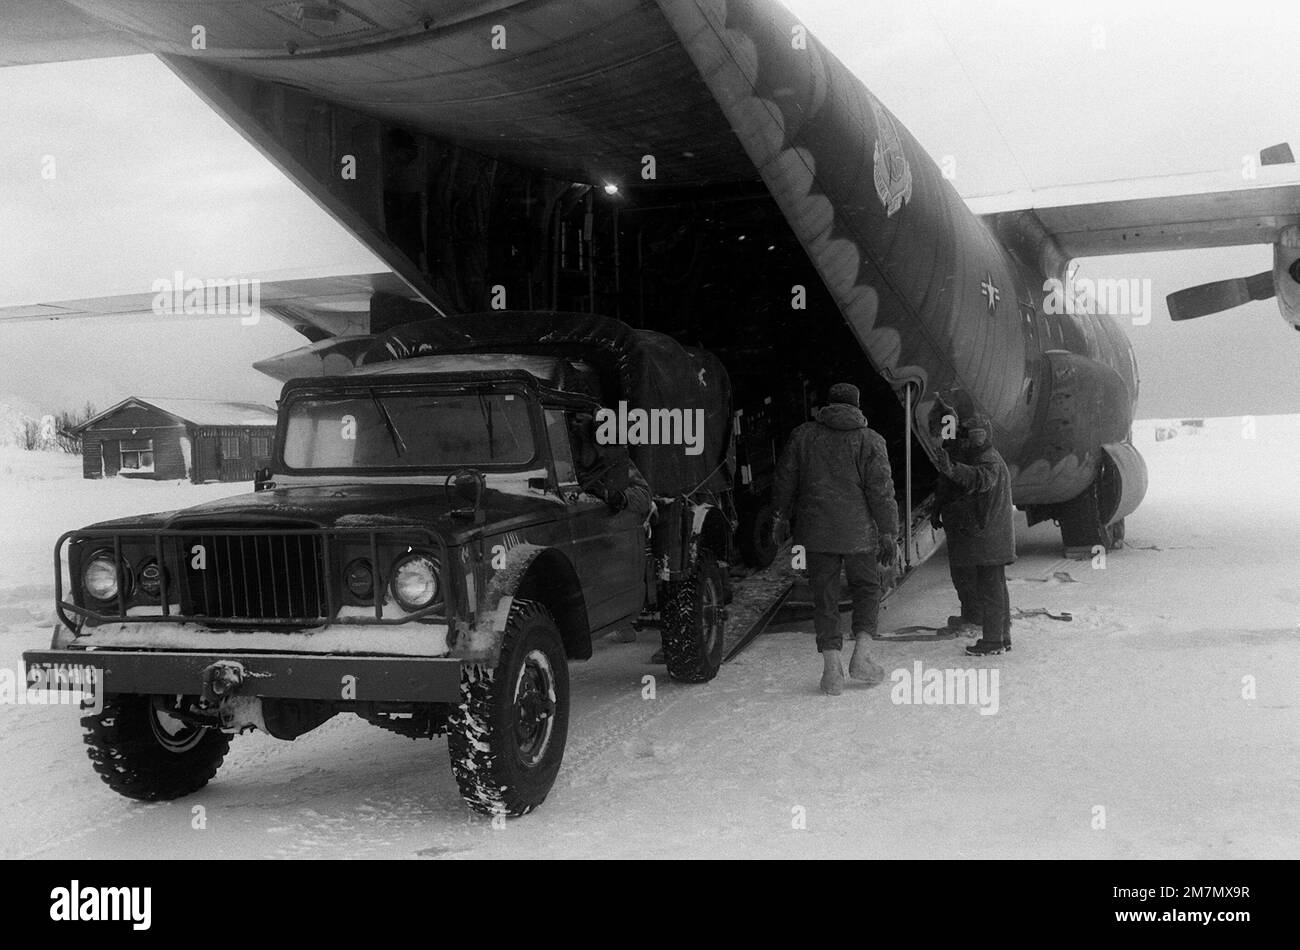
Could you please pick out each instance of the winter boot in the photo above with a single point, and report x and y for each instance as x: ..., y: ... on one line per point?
x: 861, y: 666
x: 832, y: 673
x: 961, y: 625
x: 987, y: 648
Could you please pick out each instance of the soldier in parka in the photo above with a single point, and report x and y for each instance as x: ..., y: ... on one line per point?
x: 834, y: 483
x: 973, y: 506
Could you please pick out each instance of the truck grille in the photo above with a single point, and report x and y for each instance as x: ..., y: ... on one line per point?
x: 283, y: 575
x: 257, y: 577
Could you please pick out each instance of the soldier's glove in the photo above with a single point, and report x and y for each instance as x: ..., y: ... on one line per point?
x: 936, y: 519
x: 886, y: 550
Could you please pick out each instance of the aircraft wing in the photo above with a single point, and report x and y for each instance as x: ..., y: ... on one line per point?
x: 1172, y: 212
x: 317, y: 305
x: 1176, y: 212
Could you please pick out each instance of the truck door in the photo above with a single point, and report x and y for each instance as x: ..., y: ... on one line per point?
x: 608, y: 546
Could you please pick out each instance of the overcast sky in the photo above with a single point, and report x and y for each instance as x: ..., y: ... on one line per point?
x: 1020, y: 94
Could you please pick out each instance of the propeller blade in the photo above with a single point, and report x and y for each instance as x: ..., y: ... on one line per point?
x: 1279, y: 154
x: 1218, y: 296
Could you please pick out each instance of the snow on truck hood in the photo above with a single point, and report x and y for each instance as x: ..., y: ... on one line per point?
x: 353, y: 503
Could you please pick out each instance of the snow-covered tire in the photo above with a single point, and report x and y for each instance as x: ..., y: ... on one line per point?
x: 506, y: 739
x: 693, y: 621
x: 142, y: 753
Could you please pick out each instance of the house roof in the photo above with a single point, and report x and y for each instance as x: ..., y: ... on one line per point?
x: 202, y: 412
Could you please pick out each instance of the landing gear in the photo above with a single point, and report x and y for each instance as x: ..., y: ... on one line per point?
x: 1082, y: 528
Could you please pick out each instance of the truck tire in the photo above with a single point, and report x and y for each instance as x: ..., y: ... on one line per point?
x: 143, y: 753
x: 754, y: 535
x: 506, y: 739
x: 693, y: 621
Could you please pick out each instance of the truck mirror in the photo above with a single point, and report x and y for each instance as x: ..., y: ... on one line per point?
x: 467, y: 488
x: 262, y: 479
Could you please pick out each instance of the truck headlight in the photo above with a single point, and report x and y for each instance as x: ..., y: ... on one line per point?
x: 415, y: 581
x: 102, y: 575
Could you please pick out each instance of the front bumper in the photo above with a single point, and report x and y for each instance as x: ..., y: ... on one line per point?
x: 277, y: 675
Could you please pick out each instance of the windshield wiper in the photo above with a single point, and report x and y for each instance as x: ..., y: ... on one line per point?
x: 399, y: 444
x: 485, y: 407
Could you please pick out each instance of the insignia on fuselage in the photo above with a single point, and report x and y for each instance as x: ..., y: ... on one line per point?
x: 893, y: 175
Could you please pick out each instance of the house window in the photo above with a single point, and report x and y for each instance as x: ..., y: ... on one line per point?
x: 230, y: 447
x: 261, y: 447
x: 137, y: 455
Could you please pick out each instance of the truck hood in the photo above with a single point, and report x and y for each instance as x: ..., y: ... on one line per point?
x: 352, y: 504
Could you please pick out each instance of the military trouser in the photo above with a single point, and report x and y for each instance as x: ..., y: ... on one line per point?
x: 984, y: 598
x: 864, y: 587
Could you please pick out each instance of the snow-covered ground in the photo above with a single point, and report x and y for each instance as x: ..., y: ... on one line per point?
x: 1137, y: 713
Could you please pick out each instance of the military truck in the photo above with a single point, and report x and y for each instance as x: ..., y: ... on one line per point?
x: 422, y: 553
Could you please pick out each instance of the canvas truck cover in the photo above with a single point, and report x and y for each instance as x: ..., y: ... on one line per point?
x: 647, y: 370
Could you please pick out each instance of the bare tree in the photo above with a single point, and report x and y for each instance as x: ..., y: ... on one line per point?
x: 65, y: 422
x: 55, y: 431
x: 29, y: 435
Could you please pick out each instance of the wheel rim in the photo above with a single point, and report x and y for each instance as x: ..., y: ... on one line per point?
x: 534, y: 708
x: 173, y: 734
x: 710, y: 615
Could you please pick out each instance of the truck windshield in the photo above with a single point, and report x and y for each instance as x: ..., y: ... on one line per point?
x: 393, y: 430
